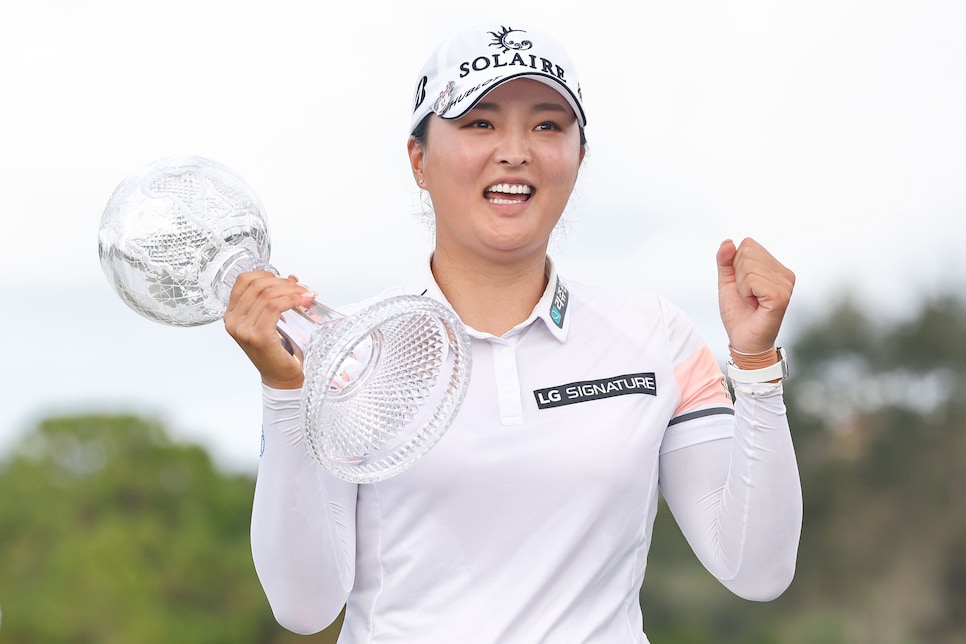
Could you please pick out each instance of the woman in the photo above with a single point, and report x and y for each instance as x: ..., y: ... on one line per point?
x: 531, y: 520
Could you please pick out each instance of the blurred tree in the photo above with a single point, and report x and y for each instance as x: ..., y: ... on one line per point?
x: 110, y: 533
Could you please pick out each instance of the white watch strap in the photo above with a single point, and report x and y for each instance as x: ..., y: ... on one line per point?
x: 777, y: 371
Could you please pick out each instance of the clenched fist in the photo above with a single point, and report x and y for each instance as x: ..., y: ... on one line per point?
x: 754, y: 289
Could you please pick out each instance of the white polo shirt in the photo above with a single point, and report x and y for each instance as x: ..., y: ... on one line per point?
x: 530, y: 521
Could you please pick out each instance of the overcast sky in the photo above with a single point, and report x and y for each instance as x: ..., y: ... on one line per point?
x: 832, y: 131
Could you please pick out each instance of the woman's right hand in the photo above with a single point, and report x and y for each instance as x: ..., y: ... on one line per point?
x: 255, y: 306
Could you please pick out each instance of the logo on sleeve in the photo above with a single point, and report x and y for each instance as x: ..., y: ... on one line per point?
x: 578, y: 392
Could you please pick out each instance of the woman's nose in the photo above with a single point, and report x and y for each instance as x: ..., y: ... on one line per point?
x: 514, y: 149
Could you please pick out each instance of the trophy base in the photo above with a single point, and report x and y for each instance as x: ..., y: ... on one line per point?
x: 391, y: 379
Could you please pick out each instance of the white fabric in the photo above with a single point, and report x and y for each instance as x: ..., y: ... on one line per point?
x: 533, y: 525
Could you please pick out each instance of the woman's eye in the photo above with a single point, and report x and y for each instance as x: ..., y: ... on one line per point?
x: 548, y: 125
x: 480, y: 123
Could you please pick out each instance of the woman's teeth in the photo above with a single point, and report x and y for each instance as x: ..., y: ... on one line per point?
x: 515, y: 193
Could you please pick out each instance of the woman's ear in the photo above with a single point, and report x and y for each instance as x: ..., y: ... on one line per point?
x: 416, y: 154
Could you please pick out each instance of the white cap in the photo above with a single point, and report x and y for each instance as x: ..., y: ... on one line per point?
x: 471, y: 63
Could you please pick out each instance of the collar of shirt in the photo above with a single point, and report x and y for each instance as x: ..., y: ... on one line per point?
x: 552, y: 308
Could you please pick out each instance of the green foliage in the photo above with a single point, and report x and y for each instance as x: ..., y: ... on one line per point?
x: 109, y: 533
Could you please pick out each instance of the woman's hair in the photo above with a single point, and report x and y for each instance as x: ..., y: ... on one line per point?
x: 421, y: 132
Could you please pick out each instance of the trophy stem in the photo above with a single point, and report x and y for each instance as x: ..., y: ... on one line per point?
x: 296, y: 326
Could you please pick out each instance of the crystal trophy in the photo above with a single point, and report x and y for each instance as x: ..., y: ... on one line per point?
x: 381, y: 385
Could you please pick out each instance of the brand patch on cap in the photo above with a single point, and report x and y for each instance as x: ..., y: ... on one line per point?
x: 578, y: 392
x: 445, y: 99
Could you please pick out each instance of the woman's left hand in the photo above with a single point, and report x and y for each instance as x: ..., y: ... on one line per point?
x: 754, y: 289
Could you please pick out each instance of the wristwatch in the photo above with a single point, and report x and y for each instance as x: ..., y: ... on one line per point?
x: 777, y: 371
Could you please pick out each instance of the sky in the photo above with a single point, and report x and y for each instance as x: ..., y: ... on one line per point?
x: 833, y: 132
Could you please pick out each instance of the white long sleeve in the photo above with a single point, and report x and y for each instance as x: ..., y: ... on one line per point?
x: 303, y: 524
x: 739, y: 501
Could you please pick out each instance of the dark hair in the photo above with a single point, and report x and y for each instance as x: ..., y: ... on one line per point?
x: 422, y: 132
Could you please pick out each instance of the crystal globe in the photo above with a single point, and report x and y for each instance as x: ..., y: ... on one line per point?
x: 175, y: 234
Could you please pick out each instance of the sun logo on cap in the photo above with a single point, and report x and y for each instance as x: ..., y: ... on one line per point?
x: 508, y: 39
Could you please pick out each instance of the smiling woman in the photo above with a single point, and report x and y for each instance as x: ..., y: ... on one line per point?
x: 584, y: 404
x: 500, y: 176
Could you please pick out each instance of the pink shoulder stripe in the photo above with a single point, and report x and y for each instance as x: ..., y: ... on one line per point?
x: 700, y: 382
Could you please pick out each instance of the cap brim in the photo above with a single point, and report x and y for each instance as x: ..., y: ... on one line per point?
x: 549, y: 81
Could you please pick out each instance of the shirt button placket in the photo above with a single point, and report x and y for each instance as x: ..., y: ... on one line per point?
x: 507, y: 383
